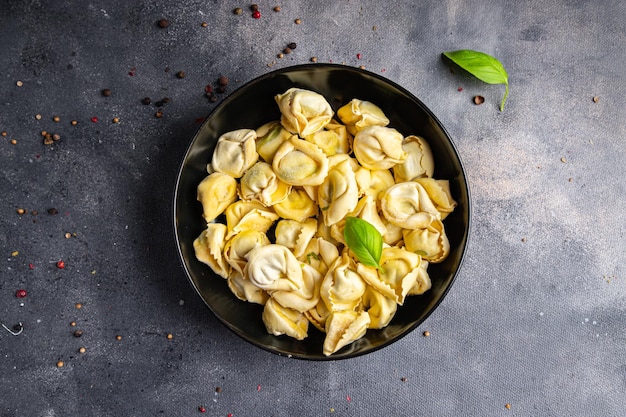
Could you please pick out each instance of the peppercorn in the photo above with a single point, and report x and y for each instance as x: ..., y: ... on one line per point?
x: 38, y: 116
x: 287, y: 50
x: 116, y: 120
x: 146, y: 101
x: 74, y: 122
x: 478, y: 100
x: 13, y: 142
x: 223, y: 80
x: 180, y: 74
x: 212, y: 97
x: 277, y: 9
x: 56, y: 119
x: 596, y: 99
x: 19, y: 83
x: 256, y: 14
x: 426, y: 333
x: 53, y: 211
x: 48, y: 140
x: 56, y: 137
x: 118, y: 337
x: 313, y: 59
x: 106, y: 92
x: 280, y: 55
x: 68, y: 235
x: 78, y: 306
x: 21, y: 293
x: 254, y: 7
x: 78, y: 333
x: 297, y: 21
x: 163, y: 23
x: 158, y: 114
x: 73, y: 323
x: 61, y: 265
x: 170, y: 336
x: 20, y: 211
x: 60, y: 364
x: 238, y: 11
x: 292, y: 45
x: 82, y: 350
x: 4, y: 133
x: 204, y: 24
x: 165, y: 100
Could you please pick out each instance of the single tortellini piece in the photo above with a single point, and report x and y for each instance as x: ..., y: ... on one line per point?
x: 393, y: 236
x: 423, y: 282
x: 343, y: 328
x: 280, y: 320
x: 317, y: 316
x: 209, y: 248
x: 298, y: 162
x: 379, y: 147
x: 235, y: 152
x: 260, y: 183
x: 303, y: 111
x: 269, y: 137
x: 367, y: 210
x: 320, y: 254
x: 237, y: 248
x: 439, y: 192
x: 246, y: 290
x: 359, y: 114
x: 274, y: 268
x: 304, y: 298
x: 381, y: 309
x: 431, y: 242
x: 408, y: 205
x: 216, y: 192
x: 297, y: 206
x: 397, y: 275
x: 332, y: 140
x: 294, y: 235
x: 419, y: 162
x: 342, y: 287
x: 249, y: 215
x: 338, y: 195
x: 373, y: 182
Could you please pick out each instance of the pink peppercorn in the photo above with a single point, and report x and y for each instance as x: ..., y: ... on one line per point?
x: 21, y: 293
x: 202, y: 409
x: 94, y: 119
x: 256, y: 14
x: 60, y: 264
x: 358, y: 56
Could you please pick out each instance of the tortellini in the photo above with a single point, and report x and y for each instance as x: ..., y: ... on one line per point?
x: 235, y: 152
x: 303, y: 112
x: 276, y: 201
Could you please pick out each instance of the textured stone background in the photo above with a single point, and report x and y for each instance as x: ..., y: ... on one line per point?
x: 535, y: 319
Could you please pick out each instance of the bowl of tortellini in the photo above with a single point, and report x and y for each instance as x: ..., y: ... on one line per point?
x: 321, y: 212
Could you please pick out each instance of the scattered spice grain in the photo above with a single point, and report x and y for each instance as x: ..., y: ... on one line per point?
x: 21, y: 293
x: 106, y: 92
x: 146, y: 100
x: 56, y: 119
x: 74, y: 122
x: 60, y: 364
x: 596, y: 99
x: 4, y: 133
x: 78, y: 333
x: 204, y: 24
x: 297, y: 21
x: 478, y: 100
x: 56, y: 137
x: 68, y: 235
x: 287, y: 50
x: 13, y: 142
x: 116, y: 120
x: 403, y: 379
x: 163, y: 23
x: 507, y: 406
x: 118, y: 337
x: 276, y: 9
x: 82, y: 350
x: 180, y: 74
x: 280, y: 55
x: 94, y: 119
x: 426, y: 333
x: 20, y: 211
x: 158, y: 114
x: 78, y: 306
x: 52, y: 211
x: 254, y: 7
x: 202, y: 409
x: 38, y: 116
x: 292, y: 45
x: 313, y: 59
x: 19, y: 83
x: 256, y: 14
x: 218, y: 390
x: 73, y: 324
x: 563, y: 160
x: 238, y: 11
x: 223, y: 80
x: 61, y: 265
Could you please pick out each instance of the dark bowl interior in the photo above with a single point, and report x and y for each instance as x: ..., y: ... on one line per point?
x: 253, y: 105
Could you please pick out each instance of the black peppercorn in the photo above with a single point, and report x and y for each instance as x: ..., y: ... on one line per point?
x: 106, y: 92
x: 292, y: 45
x: 146, y: 101
x: 163, y: 23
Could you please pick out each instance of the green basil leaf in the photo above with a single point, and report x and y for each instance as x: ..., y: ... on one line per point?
x: 482, y: 66
x: 364, y: 241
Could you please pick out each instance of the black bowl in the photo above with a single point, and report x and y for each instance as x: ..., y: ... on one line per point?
x: 253, y: 105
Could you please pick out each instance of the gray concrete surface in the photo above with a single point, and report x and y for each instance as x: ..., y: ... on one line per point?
x: 535, y: 319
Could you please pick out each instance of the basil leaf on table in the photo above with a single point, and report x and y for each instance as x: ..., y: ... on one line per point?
x: 364, y: 241
x: 482, y: 66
